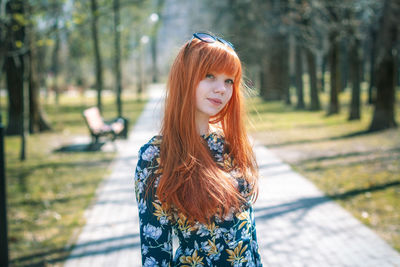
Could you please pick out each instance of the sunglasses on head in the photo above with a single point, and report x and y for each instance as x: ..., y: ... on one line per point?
x: 208, y: 38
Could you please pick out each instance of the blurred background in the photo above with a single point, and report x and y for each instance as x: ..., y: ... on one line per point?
x: 322, y: 78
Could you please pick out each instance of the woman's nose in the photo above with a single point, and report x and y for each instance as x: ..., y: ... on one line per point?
x: 220, y: 87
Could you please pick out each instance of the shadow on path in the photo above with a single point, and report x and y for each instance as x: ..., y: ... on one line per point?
x: 316, y: 140
x: 308, y: 203
x: 84, y: 147
x: 46, y: 258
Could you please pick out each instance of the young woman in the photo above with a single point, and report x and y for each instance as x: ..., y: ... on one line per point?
x: 198, y: 178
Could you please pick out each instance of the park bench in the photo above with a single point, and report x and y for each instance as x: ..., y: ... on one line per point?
x: 100, y: 128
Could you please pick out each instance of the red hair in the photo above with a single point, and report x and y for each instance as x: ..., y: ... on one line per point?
x: 191, y: 181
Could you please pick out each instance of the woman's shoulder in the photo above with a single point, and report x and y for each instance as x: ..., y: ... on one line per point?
x: 154, y: 141
x: 150, y: 149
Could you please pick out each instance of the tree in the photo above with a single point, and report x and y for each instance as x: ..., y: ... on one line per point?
x: 97, y: 55
x: 37, y: 119
x: 299, y: 76
x: 20, y: 59
x: 277, y: 67
x: 15, y: 65
x: 157, y: 20
x: 3, y: 34
x: 355, y: 65
x: 372, y: 56
x: 312, y: 72
x: 371, y: 15
x: 333, y: 58
x: 277, y: 54
x: 55, y: 61
x: 117, y: 56
x: 312, y: 35
x: 385, y: 68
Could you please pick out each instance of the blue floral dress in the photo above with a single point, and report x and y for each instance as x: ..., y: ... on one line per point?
x: 230, y: 241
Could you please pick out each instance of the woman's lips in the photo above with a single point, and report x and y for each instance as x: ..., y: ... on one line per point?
x: 215, y: 101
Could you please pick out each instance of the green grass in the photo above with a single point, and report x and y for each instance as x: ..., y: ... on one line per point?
x: 359, y: 170
x: 49, y: 192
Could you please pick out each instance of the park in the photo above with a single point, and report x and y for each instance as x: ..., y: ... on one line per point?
x: 82, y: 85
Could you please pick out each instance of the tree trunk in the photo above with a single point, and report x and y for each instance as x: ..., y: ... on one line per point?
x: 277, y: 69
x: 153, y: 47
x: 323, y: 70
x: 3, y: 46
x: 355, y: 60
x: 41, y: 52
x: 37, y: 120
x: 384, y: 115
x: 398, y: 69
x: 55, y: 62
x: 154, y: 41
x: 299, y: 77
x: 343, y: 65
x: 334, y: 71
x: 140, y: 72
x: 364, y: 60
x: 312, y: 72
x: 117, y: 56
x: 372, y: 88
x: 96, y: 45
x: 14, y: 71
x: 15, y: 68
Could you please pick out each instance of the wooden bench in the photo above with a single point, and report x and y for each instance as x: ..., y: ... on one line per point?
x: 99, y: 128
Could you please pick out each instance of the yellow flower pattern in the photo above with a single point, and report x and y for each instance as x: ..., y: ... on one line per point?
x: 160, y: 212
x: 236, y: 255
x: 192, y: 260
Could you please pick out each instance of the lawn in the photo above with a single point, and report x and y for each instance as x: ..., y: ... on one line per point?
x: 361, y: 171
x: 49, y: 192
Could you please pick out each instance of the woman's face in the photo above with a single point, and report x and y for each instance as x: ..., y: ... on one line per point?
x: 213, y: 93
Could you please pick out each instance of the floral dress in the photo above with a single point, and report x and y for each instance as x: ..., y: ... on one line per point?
x: 230, y: 241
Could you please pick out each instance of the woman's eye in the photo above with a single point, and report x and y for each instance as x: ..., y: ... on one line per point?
x: 229, y: 81
x: 209, y: 76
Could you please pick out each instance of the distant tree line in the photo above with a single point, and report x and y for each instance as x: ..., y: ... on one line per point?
x: 47, y: 44
x: 355, y: 41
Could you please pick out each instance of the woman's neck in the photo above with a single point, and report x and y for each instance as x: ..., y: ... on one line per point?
x: 202, y: 125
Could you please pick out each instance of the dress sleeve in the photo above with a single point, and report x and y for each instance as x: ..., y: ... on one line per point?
x: 155, y: 225
x: 254, y: 243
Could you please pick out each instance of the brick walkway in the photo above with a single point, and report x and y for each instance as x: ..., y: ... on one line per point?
x: 296, y: 224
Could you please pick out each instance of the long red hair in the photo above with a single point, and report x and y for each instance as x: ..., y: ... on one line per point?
x: 191, y: 181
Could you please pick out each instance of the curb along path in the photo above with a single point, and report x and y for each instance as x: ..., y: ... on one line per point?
x: 296, y: 224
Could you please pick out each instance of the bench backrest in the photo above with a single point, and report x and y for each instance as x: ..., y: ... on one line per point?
x: 93, y: 119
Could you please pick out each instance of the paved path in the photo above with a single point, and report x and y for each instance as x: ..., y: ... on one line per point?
x: 296, y: 224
